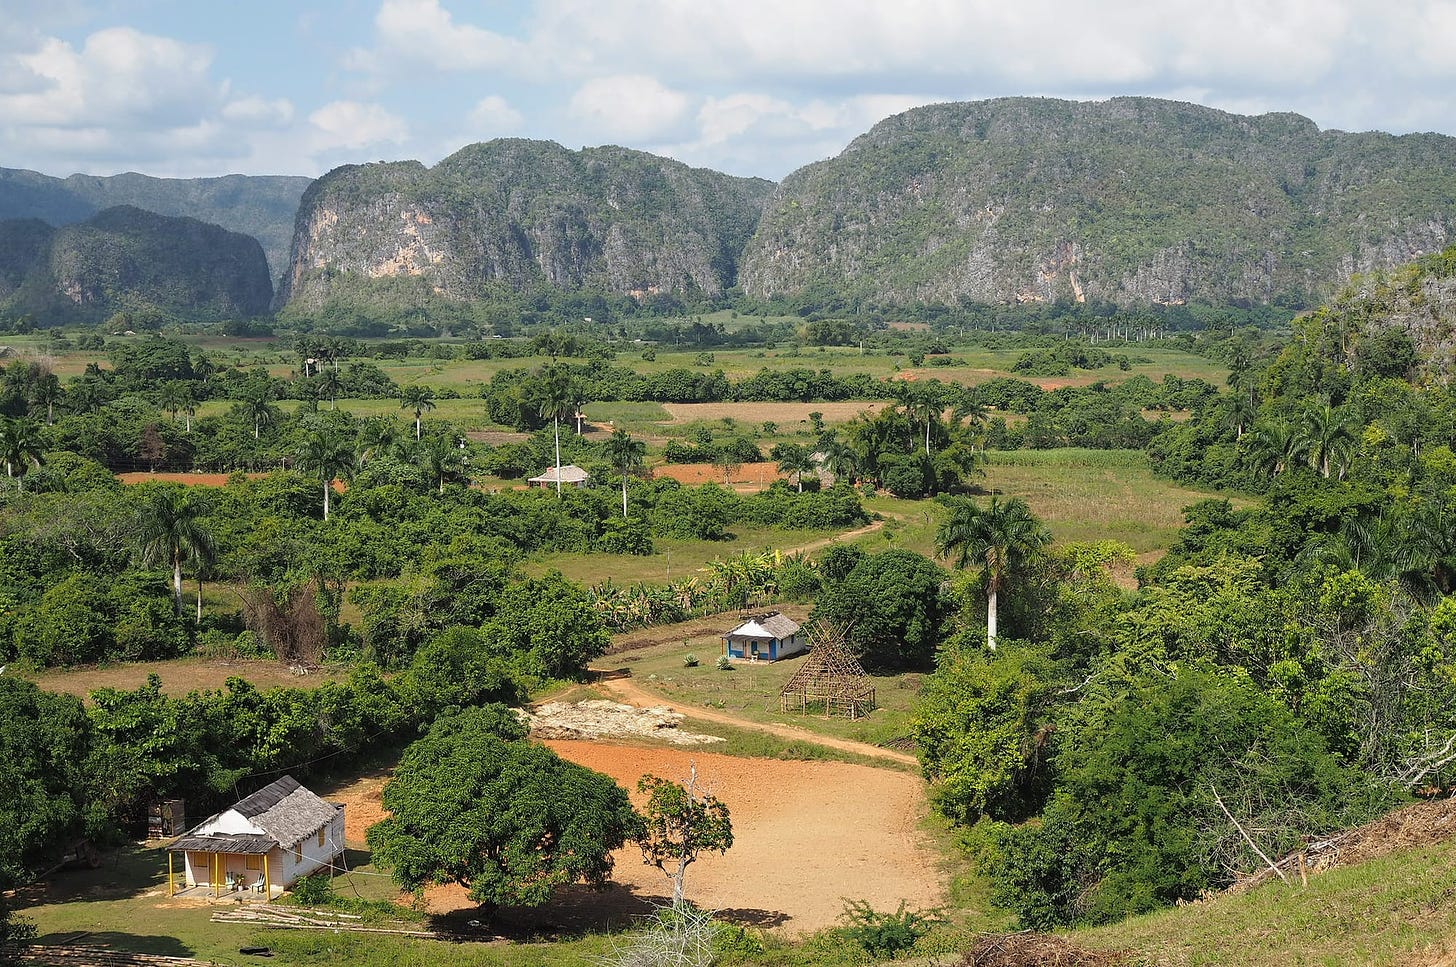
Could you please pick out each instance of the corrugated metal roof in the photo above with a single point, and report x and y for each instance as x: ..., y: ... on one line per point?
x: 267, y: 797
x: 238, y: 843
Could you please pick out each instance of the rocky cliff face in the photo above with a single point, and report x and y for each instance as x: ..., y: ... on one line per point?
x: 1131, y: 200
x: 522, y: 214
x: 126, y: 258
x: 261, y: 206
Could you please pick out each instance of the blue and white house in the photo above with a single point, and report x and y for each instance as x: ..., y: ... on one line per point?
x: 765, y: 637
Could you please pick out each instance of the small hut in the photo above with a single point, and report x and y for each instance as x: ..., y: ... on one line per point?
x: 832, y: 679
x: 571, y: 476
x: 764, y: 637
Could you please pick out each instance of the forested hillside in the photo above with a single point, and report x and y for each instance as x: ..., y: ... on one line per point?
x: 128, y: 260
x: 260, y: 206
x: 1131, y: 200
x: 519, y: 215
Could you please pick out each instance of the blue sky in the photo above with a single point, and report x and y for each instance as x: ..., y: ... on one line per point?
x: 753, y: 87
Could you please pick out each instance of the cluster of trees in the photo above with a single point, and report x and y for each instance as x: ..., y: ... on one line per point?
x: 1286, y: 670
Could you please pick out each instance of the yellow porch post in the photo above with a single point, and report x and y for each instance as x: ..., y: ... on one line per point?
x: 267, y: 883
x: 216, y: 862
x: 171, y: 881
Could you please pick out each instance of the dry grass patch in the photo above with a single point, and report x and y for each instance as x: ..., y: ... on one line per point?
x: 182, y: 675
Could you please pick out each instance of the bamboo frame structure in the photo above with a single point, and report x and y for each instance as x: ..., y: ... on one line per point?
x: 831, y: 678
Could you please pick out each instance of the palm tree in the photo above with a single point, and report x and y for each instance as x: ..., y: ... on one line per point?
x: 1268, y: 446
x: 628, y: 455
x: 330, y: 384
x: 256, y: 404
x: 378, y: 437
x: 173, y: 397
x: 189, y: 410
x: 839, y: 458
x: 442, y: 460
x: 997, y: 536
x: 330, y: 457
x: 170, y: 531
x: 47, y: 392
x: 797, y: 460
x: 421, y: 399
x: 22, y: 446
x: 555, y: 399
x: 922, y: 404
x: 1325, y: 437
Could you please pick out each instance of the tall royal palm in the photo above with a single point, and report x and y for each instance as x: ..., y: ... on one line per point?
x: 421, y: 399
x: 442, y: 460
x: 1325, y: 436
x: 22, y: 446
x: 328, y: 456
x: 556, y: 400
x: 998, y: 537
x: 256, y: 404
x: 627, y: 455
x: 47, y: 392
x: 170, y: 531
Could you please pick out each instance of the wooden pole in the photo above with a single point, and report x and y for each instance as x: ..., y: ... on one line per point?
x: 267, y: 883
x: 171, y: 881
x: 216, y: 865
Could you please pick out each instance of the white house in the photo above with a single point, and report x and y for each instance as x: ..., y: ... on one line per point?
x: 571, y: 476
x: 263, y: 844
x: 765, y: 637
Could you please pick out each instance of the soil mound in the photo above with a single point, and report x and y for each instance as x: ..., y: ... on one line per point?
x: 597, y: 719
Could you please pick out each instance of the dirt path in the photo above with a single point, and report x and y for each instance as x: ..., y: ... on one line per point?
x: 631, y: 693
x: 823, y: 542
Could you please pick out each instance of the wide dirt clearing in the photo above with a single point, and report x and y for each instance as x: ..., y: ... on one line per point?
x: 807, y: 834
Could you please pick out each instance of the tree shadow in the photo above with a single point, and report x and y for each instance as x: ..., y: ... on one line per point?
x: 116, y: 940
x: 132, y: 870
x: 578, y: 910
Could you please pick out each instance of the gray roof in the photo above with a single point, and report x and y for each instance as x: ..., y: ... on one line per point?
x: 283, y: 809
x: 570, y: 473
x: 238, y: 843
x: 778, y: 625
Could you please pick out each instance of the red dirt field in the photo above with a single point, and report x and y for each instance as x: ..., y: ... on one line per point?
x: 806, y: 836
x: 746, y: 477
x: 198, y: 479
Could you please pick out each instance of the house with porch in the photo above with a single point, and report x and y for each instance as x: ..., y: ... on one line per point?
x: 765, y: 637
x: 258, y: 847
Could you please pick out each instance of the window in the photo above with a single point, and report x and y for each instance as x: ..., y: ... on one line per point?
x: 253, y: 862
x: 321, y: 835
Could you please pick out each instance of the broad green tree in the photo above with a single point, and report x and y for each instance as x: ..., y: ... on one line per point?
x: 997, y: 536
x: 470, y: 803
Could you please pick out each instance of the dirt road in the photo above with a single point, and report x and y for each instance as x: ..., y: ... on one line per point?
x: 630, y: 692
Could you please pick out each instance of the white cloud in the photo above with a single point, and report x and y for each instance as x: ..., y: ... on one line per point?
x: 258, y: 111
x: 119, y: 75
x: 354, y: 124
x: 421, y: 33
x: 493, y: 116
x: 627, y: 107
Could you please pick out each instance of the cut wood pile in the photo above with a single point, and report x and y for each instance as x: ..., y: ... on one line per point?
x: 83, y: 955
x: 1418, y: 824
x: 300, y: 918
x: 598, y: 719
x: 1035, y: 950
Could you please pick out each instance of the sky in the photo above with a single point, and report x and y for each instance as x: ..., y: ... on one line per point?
x: 753, y: 87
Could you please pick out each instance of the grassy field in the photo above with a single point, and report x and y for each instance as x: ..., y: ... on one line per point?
x: 1400, y: 910
x: 180, y: 675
